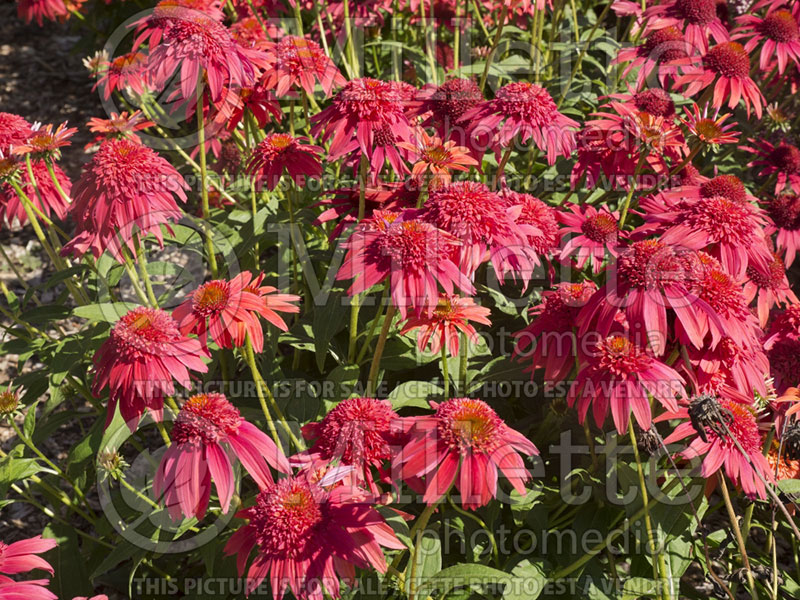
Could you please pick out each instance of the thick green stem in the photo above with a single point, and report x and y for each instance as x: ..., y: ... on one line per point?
x: 737, y: 532
x: 201, y: 140
x: 374, y: 368
x: 445, y: 375
x: 495, y: 44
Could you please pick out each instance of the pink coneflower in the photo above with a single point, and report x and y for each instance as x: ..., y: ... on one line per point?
x: 139, y: 361
x: 710, y: 129
x: 444, y: 326
x: 621, y: 374
x: 779, y: 32
x: 435, y: 159
x: 21, y: 557
x: 783, y: 348
x: 230, y: 310
x: 771, y: 287
x: 537, y: 220
x: 119, y: 125
x: 485, y: 224
x: 366, y: 118
x: 248, y: 31
x: 127, y: 71
x: 726, y: 66
x: 296, y: 61
x: 412, y: 254
x: 715, y: 216
x: 654, y: 101
x: 729, y: 364
x: 549, y: 342
x: 697, y: 18
x: 784, y: 210
x: 14, y: 130
x: 463, y: 444
x: 443, y: 107
x: 39, y: 10
x: 125, y: 186
x: 526, y: 110
x: 651, y: 276
x: 206, y: 429
x: 717, y: 448
x: 259, y: 100
x: 596, y: 235
x: 45, y: 196
x: 306, y: 537
x: 343, y: 203
x: 357, y: 432
x: 44, y: 143
x: 280, y: 151
x: 659, y: 50
x: 783, y: 160
x: 200, y: 48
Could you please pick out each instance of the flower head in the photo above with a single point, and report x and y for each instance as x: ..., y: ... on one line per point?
x: 784, y: 210
x: 49, y: 200
x: 206, y: 427
x: 126, y: 187
x: 297, y: 61
x: 771, y: 286
x: 413, y: 255
x: 44, y: 143
x: 445, y: 106
x: 658, y: 51
x: 697, y: 18
x: 782, y: 159
x: 14, y: 130
x: 144, y: 353
x: 119, y: 125
x: 443, y: 327
x: 714, y: 441
x: 280, y: 151
x: 39, y: 10
x: 596, y: 235
x: 435, y: 159
x: 528, y: 110
x: 464, y: 443
x: 621, y: 375
x: 710, y: 130
x: 306, y: 537
x: 780, y: 34
x: 124, y: 72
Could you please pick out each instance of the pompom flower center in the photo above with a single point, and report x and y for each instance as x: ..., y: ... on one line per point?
x: 656, y: 102
x: 780, y: 26
x: 728, y: 59
x: 722, y: 219
x: 726, y: 186
x: 353, y: 431
x: 649, y: 263
x: 786, y: 158
x: 620, y: 357
x: 697, y: 12
x: 145, y: 330
x: 411, y: 244
x: 206, y: 418
x: 285, y: 515
x: 774, y: 279
x: 467, y: 424
x: 455, y: 97
x: 785, y: 212
x: 600, y: 228
x: 527, y: 102
x: 664, y: 45
x: 210, y: 298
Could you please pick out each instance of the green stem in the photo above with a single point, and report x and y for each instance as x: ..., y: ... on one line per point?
x: 737, y: 532
x: 444, y: 372
x: 462, y: 367
x: 201, y: 140
x: 419, y: 528
x: 374, y: 367
x: 584, y: 49
x: 495, y: 44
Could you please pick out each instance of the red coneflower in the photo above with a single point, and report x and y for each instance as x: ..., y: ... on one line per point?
x: 14, y: 130
x: 139, y: 361
x: 464, y: 443
x: 299, y: 61
x: 783, y: 159
x: 549, y: 342
x: 697, y: 18
x: 621, y: 375
x: 413, y: 255
x: 783, y: 348
x: 784, y: 210
x: 51, y: 10
x: 485, y: 224
x: 44, y: 143
x: 280, y: 151
x: 726, y: 66
x: 435, y: 159
x: 127, y: 71
x: 306, y: 537
x: 596, y: 235
x: 771, y: 286
x: 45, y: 196
x: 366, y: 117
x: 207, y: 427
x: 716, y: 216
x: 126, y: 187
x: 651, y: 276
x: 718, y: 449
x: 659, y: 50
x: 443, y: 326
x: 443, y: 107
x: 259, y: 100
x: 729, y: 364
x: 710, y: 130
x: 201, y: 48
x: 230, y: 310
x: 118, y: 126
x: 357, y: 432
x: 539, y: 224
x: 525, y: 109
x: 781, y: 36
x: 654, y: 101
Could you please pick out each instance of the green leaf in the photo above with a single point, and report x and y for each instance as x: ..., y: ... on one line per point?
x: 789, y: 486
x: 427, y: 558
x: 109, y: 312
x: 13, y: 468
x: 70, y: 578
x: 527, y: 582
x: 329, y: 319
x: 639, y: 587
x: 462, y: 575
x: 45, y: 314
x: 30, y: 421
x: 414, y: 393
